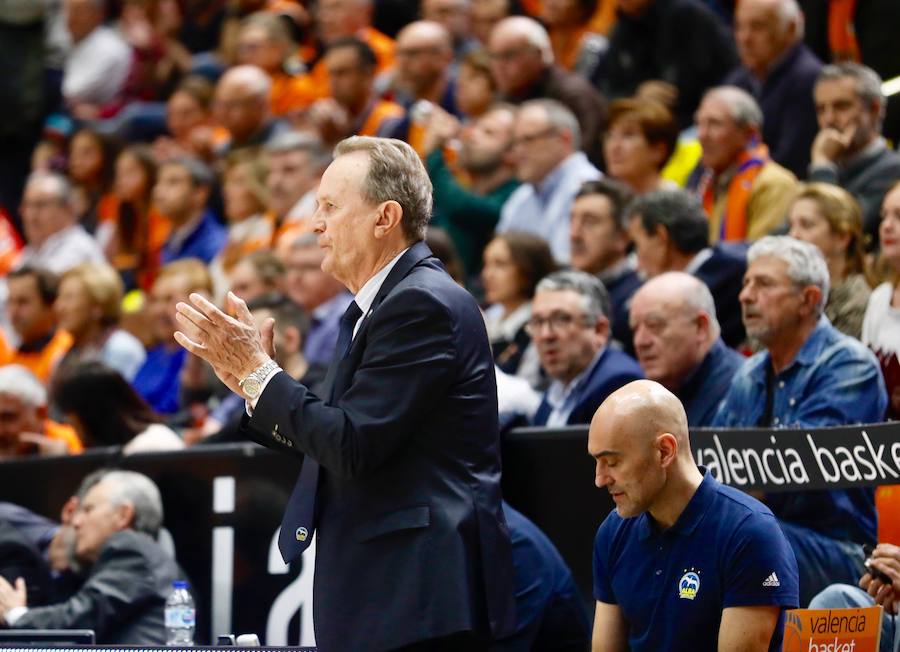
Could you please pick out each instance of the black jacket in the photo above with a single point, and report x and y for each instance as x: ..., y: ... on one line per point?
x: 411, y: 543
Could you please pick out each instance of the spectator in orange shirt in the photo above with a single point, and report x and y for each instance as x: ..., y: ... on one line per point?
x: 265, y: 42
x: 24, y: 426
x: 341, y: 18
x: 130, y: 229
x: 353, y: 107
x: 32, y: 291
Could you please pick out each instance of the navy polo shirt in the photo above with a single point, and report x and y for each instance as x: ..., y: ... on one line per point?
x: 725, y: 550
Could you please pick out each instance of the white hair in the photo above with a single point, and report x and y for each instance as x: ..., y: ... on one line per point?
x: 16, y: 380
x: 139, y: 491
x: 742, y: 107
x: 806, y: 265
x: 535, y: 34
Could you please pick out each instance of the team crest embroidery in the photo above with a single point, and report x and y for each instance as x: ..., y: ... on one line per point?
x: 689, y: 585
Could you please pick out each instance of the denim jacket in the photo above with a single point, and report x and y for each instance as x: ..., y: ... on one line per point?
x: 834, y: 380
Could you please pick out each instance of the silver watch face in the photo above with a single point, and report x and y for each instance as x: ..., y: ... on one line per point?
x: 252, y: 387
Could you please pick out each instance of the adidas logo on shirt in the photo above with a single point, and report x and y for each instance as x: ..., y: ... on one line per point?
x: 771, y: 580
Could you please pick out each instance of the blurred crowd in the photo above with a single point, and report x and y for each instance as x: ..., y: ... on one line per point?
x: 631, y: 188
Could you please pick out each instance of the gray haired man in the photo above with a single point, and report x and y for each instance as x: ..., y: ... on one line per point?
x: 130, y: 575
x: 849, y: 150
x: 570, y: 318
x: 808, y: 375
x: 388, y: 483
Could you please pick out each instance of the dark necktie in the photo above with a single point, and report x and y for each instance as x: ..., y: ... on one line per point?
x: 298, y: 522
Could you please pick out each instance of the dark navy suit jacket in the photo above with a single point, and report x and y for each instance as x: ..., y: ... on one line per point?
x: 613, y: 370
x: 707, y: 385
x: 411, y: 541
x: 786, y: 100
x: 723, y: 274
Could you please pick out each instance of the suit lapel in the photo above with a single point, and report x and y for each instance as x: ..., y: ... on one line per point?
x: 343, y: 369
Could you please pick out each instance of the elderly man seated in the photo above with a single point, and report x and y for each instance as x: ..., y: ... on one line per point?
x: 808, y: 375
x: 130, y: 575
x: 678, y: 344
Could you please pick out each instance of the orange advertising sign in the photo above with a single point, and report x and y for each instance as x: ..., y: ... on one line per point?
x: 832, y: 630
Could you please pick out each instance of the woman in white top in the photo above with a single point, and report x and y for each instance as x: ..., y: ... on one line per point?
x: 514, y: 262
x: 881, y: 324
x: 106, y: 411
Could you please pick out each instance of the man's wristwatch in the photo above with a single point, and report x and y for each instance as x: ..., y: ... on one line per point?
x: 252, y: 385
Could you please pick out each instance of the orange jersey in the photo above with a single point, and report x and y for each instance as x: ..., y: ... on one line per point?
x: 146, y: 259
x: 381, y: 44
x: 292, y: 93
x: 40, y: 363
x: 383, y: 111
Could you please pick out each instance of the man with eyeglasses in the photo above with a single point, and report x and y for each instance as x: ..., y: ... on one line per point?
x: 523, y: 65
x: 546, y: 156
x: 56, y: 241
x: 569, y: 325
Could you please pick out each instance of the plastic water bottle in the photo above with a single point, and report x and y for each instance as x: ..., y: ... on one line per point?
x: 180, y: 615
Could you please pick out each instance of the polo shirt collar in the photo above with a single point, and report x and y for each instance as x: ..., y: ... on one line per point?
x: 691, y: 516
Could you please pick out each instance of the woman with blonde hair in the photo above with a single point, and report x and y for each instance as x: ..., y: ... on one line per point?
x: 830, y: 218
x: 88, y: 307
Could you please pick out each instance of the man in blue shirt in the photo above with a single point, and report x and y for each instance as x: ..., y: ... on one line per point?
x: 546, y: 152
x: 181, y: 193
x: 678, y: 344
x: 809, y: 375
x: 683, y: 563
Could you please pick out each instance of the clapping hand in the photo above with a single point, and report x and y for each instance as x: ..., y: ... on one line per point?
x: 230, y: 341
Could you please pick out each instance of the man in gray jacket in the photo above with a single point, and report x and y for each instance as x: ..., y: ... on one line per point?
x: 130, y: 575
x: 849, y: 150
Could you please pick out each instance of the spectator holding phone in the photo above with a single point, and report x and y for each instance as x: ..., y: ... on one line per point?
x: 880, y: 585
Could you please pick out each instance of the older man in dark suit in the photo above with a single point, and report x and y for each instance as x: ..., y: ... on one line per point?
x: 130, y: 575
x: 401, y: 469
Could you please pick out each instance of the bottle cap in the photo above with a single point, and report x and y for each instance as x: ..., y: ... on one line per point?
x: 180, y: 584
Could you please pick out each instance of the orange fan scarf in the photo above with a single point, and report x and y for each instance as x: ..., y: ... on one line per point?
x: 734, y: 221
